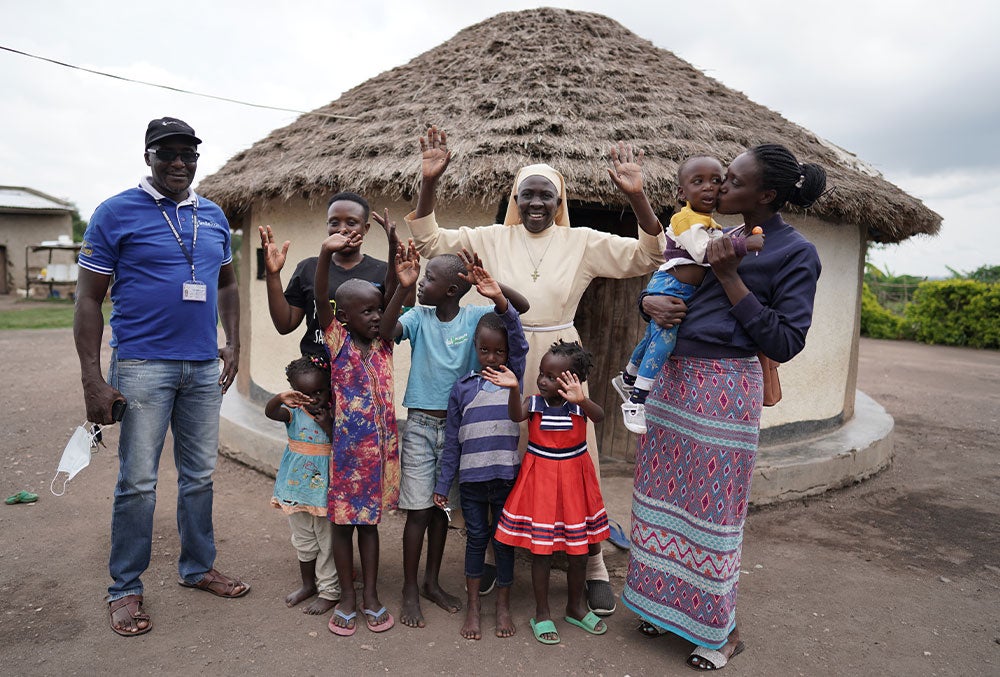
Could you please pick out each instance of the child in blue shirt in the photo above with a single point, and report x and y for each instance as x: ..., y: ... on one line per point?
x: 480, y: 446
x: 440, y: 332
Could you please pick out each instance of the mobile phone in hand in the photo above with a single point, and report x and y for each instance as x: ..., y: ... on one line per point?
x: 118, y: 410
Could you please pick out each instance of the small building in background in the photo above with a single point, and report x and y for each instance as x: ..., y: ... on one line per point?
x: 30, y: 217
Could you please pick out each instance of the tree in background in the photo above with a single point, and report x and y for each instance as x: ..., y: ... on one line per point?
x: 987, y: 274
x: 79, y: 225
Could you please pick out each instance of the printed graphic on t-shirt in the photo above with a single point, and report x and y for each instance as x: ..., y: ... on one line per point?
x: 458, y: 340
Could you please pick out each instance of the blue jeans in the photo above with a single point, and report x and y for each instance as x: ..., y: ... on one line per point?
x: 188, y: 397
x: 482, y: 503
x: 658, y: 343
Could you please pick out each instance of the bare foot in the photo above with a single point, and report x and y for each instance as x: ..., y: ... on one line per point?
x: 320, y: 606
x: 411, y: 615
x: 300, y: 595
x: 436, y: 594
x: 505, y: 623
x: 470, y: 629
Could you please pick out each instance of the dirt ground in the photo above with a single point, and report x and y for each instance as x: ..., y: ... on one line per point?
x: 898, y: 575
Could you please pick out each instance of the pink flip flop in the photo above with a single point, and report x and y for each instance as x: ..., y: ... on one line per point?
x: 379, y: 627
x: 341, y: 631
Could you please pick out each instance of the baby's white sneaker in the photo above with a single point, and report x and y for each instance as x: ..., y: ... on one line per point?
x: 634, y: 416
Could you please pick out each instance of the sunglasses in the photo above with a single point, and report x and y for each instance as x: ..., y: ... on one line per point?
x: 168, y: 155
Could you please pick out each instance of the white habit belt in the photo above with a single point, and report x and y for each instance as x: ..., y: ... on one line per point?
x: 554, y: 327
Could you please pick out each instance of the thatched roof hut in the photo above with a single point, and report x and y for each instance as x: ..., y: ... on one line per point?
x: 557, y: 86
x: 549, y: 85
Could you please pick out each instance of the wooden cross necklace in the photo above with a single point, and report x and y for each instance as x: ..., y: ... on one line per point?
x: 524, y: 239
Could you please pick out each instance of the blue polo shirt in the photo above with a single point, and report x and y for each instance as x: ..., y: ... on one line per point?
x: 129, y: 239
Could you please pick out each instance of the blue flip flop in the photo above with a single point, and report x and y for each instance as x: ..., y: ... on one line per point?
x: 618, y: 537
x: 341, y: 630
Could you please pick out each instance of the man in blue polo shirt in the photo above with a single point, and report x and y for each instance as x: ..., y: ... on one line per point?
x: 167, y: 251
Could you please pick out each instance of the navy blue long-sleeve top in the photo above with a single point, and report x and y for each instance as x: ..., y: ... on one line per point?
x: 773, y: 318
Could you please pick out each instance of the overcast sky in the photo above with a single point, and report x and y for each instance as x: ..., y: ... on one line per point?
x: 910, y: 87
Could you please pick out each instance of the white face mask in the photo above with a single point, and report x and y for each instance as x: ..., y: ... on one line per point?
x: 76, y: 455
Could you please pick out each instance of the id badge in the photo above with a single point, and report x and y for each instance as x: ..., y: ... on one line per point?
x: 194, y: 291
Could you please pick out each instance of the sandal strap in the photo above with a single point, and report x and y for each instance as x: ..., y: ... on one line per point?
x: 215, y: 577
x: 132, y: 604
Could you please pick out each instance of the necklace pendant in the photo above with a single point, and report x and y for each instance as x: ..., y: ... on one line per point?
x: 534, y: 275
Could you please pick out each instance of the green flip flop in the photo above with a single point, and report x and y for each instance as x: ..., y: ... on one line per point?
x: 588, y: 623
x: 543, y: 628
x: 21, y: 497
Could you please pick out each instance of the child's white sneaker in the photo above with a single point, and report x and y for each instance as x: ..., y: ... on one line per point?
x: 634, y: 416
x: 623, y: 389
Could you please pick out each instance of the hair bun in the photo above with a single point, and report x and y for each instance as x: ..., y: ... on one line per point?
x: 811, y: 184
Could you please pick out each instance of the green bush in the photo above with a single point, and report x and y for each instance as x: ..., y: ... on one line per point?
x: 876, y: 321
x: 984, y: 317
x: 956, y: 312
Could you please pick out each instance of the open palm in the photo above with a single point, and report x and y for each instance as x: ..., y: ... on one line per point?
x: 434, y: 152
x: 626, y: 170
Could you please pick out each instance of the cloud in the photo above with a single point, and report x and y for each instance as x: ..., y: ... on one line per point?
x: 969, y: 238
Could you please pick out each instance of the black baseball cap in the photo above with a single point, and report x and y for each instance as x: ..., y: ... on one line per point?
x: 161, y: 128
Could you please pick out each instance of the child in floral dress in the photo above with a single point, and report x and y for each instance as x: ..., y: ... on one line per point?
x: 364, y: 464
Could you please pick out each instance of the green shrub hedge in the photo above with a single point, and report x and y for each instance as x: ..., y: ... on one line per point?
x: 876, y: 321
x: 955, y: 312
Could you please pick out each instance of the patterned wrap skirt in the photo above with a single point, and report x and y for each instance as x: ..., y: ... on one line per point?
x: 689, y: 502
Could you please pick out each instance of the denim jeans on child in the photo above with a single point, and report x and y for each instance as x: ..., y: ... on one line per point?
x: 482, y: 503
x: 187, y: 397
x: 420, y: 460
x: 658, y: 343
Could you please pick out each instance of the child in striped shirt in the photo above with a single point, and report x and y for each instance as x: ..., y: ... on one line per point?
x: 481, y: 448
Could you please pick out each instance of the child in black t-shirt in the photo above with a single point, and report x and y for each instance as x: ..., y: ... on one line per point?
x: 346, y: 213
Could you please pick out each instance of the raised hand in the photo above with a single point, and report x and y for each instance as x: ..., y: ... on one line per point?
x: 501, y: 376
x: 274, y: 257
x: 477, y: 276
x: 570, y: 388
x: 339, y: 241
x: 435, y: 154
x: 626, y: 169
x: 407, y: 264
x: 484, y: 283
x: 389, y: 227
x: 470, y: 259
x: 294, y: 399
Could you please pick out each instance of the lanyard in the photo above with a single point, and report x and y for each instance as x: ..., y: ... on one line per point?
x: 189, y: 255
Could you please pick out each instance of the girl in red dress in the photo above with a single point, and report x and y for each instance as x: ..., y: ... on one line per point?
x: 556, y: 502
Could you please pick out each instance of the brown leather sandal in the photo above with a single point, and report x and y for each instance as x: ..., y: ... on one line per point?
x: 133, y: 605
x: 219, y: 585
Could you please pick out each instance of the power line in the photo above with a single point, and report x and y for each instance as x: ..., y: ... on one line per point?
x: 175, y: 89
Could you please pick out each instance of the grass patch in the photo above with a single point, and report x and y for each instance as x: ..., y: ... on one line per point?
x: 38, y: 315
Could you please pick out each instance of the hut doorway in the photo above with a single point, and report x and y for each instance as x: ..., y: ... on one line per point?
x: 610, y: 327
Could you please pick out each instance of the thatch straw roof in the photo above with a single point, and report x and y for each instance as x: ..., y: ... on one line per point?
x: 544, y: 85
